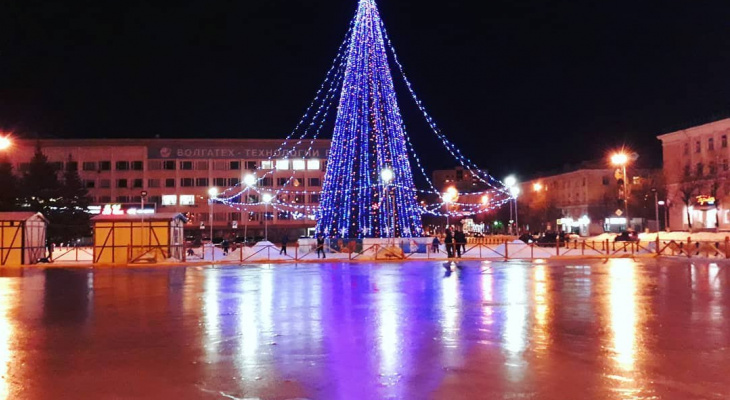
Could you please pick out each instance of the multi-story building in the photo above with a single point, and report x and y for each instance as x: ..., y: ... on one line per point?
x: 460, y: 178
x: 583, y: 201
x: 696, y: 169
x: 177, y: 175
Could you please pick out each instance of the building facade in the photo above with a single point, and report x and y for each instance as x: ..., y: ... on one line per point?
x: 177, y: 174
x: 585, y: 201
x: 696, y: 169
x: 460, y: 178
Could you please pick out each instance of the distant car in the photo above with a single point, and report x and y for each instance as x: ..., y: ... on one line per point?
x: 627, y: 236
x: 550, y: 239
x: 527, y: 238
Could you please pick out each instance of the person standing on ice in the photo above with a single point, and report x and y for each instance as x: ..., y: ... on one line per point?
x: 284, y: 241
x: 320, y: 244
x: 449, y: 243
x: 435, y: 245
x: 460, y: 240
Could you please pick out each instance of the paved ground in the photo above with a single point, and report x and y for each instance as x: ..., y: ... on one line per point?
x: 516, y: 330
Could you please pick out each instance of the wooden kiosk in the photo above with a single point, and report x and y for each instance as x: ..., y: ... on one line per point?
x: 22, y: 238
x: 130, y: 239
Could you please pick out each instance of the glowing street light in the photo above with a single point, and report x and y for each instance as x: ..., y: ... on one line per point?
x: 249, y: 180
x: 537, y: 186
x: 5, y: 142
x: 266, y: 198
x: 510, y: 181
x: 387, y: 175
x: 619, y: 159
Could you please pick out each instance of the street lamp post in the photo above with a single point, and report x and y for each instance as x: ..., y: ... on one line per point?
x: 387, y: 176
x: 665, y: 205
x: 249, y: 180
x: 267, y: 198
x: 656, y: 208
x: 620, y: 160
x: 511, y: 183
x: 213, y: 193
x: 448, y: 197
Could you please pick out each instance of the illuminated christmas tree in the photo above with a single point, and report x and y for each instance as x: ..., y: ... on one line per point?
x: 368, y: 187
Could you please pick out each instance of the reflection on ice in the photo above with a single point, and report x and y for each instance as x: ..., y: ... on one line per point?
x: 623, y: 311
x: 6, y: 333
x: 211, y: 315
x: 450, y: 311
x: 388, y: 316
x: 516, y: 297
x: 540, y: 329
x: 487, y: 301
x: 624, y: 329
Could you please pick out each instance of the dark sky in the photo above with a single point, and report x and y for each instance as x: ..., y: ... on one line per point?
x: 519, y: 85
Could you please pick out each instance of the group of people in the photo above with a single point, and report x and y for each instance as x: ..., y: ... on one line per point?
x: 320, y: 244
x: 455, y: 242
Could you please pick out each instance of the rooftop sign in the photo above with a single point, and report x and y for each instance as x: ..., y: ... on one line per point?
x: 228, y: 152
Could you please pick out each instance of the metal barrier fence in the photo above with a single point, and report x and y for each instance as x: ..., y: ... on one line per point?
x: 17, y: 253
x: 491, y: 250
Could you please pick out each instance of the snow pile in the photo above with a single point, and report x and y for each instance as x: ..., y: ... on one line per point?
x: 682, y: 236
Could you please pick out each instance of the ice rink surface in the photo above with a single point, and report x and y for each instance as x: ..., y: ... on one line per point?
x: 622, y: 329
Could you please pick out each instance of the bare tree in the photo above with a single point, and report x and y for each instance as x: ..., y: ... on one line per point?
x: 688, y: 187
x: 718, y: 187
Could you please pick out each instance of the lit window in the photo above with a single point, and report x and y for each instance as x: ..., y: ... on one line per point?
x: 267, y: 164
x: 298, y: 165
x: 313, y: 164
x: 169, y: 199
x: 282, y: 164
x: 186, y: 200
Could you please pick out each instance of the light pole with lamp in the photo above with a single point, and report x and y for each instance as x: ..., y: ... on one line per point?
x: 387, y: 175
x: 511, y: 184
x: 515, y: 191
x: 249, y: 180
x: 656, y: 208
x: 449, y: 197
x: 665, y: 205
x: 621, y: 160
x: 267, y: 198
x: 212, y: 193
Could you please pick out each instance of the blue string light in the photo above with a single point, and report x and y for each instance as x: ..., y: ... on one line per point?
x: 368, y: 138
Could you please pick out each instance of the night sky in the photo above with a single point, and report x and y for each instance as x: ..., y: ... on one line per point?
x: 520, y: 86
